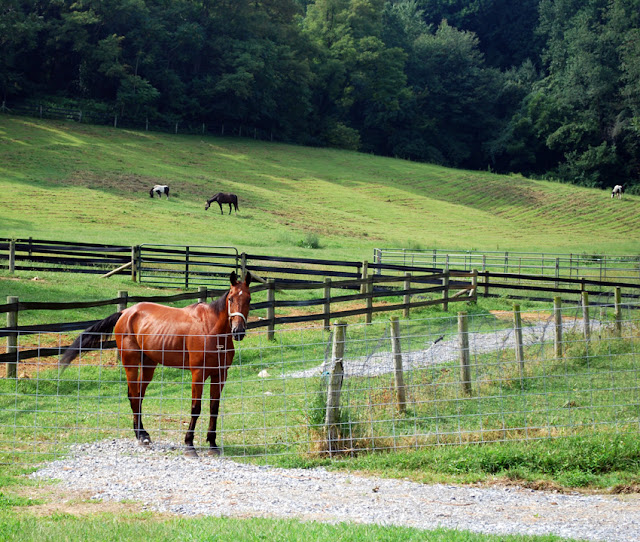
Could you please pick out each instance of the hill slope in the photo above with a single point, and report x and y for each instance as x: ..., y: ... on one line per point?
x: 86, y: 183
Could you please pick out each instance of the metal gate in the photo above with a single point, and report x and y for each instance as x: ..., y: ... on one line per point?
x: 180, y: 266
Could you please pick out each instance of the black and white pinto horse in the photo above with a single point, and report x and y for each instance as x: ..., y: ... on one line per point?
x: 221, y: 198
x: 618, y: 190
x: 159, y: 189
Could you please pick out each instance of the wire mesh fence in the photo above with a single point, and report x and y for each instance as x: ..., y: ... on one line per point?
x: 275, y: 398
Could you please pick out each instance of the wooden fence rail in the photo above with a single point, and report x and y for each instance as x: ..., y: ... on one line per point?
x: 189, y: 267
x: 465, y: 291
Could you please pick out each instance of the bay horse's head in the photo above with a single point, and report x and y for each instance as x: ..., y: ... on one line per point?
x: 238, y: 301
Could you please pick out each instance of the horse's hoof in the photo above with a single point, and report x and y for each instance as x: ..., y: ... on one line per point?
x: 215, y: 452
x: 191, y: 452
x: 144, y: 441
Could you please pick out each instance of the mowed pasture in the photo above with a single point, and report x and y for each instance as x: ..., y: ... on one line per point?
x: 66, y: 181
x: 63, y: 180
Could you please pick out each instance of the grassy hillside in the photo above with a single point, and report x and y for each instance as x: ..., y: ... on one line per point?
x: 67, y: 181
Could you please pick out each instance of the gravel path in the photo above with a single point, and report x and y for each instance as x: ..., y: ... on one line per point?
x: 164, y: 480
x: 443, y: 351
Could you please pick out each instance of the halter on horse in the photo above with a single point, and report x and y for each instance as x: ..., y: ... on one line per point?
x: 618, y: 190
x: 198, y: 337
x: 159, y: 189
x: 222, y: 197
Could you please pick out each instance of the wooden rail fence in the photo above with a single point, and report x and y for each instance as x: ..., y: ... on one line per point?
x: 190, y: 267
x: 464, y: 285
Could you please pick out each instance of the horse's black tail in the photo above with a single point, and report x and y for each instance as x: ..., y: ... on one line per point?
x: 89, y: 338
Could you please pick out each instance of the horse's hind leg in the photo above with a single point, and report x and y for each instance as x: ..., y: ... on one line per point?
x: 137, y: 387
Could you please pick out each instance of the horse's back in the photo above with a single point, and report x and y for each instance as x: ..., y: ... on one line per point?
x: 168, y: 335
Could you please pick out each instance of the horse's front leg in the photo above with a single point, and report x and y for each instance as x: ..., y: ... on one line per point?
x: 197, y: 384
x: 221, y: 211
x: 214, y: 406
x: 229, y: 208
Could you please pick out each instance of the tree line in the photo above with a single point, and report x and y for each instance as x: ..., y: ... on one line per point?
x: 547, y: 88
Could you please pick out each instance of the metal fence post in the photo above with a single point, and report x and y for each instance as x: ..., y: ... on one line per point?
x: 12, y: 338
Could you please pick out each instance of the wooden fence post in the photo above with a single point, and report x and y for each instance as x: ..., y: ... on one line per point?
x: 122, y: 303
x: 517, y: 325
x: 327, y: 303
x: 369, y: 289
x: 186, y: 268
x: 134, y: 263
x: 243, y: 265
x: 585, y: 315
x: 332, y: 416
x: 271, y: 308
x: 407, y: 297
x: 12, y: 256
x: 474, y: 285
x: 617, y: 299
x: 445, y: 292
x: 557, y: 318
x: 397, y: 361
x: 12, y: 339
x: 202, y: 294
x: 463, y: 342
x: 363, y: 276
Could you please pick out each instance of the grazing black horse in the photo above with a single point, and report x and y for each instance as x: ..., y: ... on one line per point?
x: 159, y: 189
x: 221, y: 198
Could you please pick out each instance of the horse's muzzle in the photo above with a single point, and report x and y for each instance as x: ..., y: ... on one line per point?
x: 238, y: 332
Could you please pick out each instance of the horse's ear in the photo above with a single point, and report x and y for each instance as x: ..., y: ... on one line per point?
x: 247, y: 278
x: 233, y: 278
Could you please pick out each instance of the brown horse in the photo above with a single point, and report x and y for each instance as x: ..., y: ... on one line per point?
x: 221, y: 198
x: 198, y: 337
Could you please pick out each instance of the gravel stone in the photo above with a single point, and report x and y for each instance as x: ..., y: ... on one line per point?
x: 164, y: 480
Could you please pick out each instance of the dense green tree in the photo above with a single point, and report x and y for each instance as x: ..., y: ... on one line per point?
x: 505, y: 28
x: 19, y: 27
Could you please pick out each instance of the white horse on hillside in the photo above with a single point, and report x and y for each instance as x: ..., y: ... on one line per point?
x: 159, y: 189
x: 617, y: 191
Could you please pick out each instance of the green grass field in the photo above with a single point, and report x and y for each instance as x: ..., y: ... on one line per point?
x: 61, y: 180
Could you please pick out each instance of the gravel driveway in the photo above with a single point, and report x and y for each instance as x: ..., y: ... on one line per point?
x: 163, y: 480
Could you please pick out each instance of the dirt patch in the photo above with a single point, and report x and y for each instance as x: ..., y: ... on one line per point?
x: 74, y: 503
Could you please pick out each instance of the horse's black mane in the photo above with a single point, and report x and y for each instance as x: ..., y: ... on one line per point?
x: 220, y: 304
